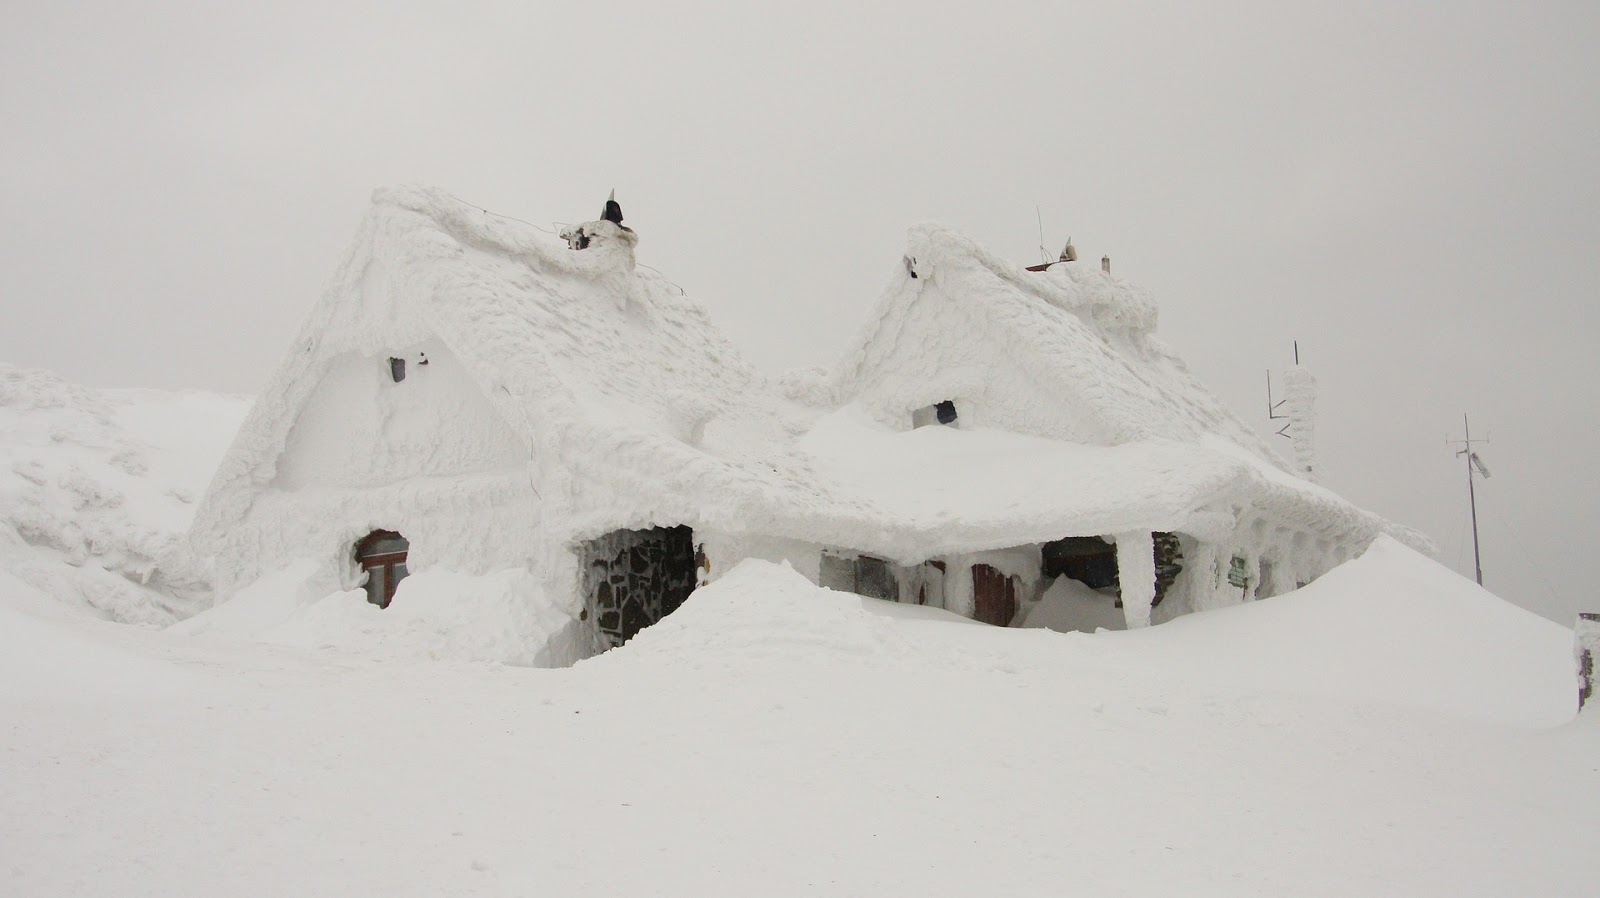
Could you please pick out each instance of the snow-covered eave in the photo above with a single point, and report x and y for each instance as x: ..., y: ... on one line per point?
x: 667, y: 482
x: 1287, y: 499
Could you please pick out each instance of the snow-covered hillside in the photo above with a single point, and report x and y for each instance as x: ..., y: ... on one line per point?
x: 97, y: 486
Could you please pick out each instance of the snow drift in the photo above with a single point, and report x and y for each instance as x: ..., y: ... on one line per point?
x: 775, y: 738
x: 97, y: 488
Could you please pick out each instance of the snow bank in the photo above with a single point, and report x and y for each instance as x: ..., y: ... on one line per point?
x: 98, y: 486
x: 499, y: 618
x: 1391, y: 626
x: 773, y: 738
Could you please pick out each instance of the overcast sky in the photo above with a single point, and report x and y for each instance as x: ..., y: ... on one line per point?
x: 1412, y: 191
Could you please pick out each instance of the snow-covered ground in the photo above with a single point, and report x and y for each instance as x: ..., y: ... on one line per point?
x: 1388, y: 730
x: 98, y: 486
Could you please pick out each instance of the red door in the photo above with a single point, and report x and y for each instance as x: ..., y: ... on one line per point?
x: 994, y: 596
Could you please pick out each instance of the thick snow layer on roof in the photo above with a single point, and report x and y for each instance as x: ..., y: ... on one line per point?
x: 954, y: 484
x: 566, y: 344
x: 632, y: 409
x: 1085, y: 335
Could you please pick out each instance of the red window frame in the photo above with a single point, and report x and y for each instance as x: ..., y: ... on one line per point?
x: 380, y: 566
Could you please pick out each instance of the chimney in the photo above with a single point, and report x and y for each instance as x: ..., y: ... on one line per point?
x: 1105, y: 264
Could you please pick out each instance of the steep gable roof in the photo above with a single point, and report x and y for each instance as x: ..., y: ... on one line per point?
x: 1078, y: 330
x: 564, y: 343
x: 635, y: 409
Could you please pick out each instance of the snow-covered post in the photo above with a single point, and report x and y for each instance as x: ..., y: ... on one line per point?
x: 1136, y: 574
x: 958, y: 595
x: 1586, y: 635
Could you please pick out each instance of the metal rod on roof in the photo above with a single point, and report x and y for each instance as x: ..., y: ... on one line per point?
x: 1044, y: 254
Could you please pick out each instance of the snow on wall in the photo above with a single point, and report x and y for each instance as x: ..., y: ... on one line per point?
x: 499, y: 617
x: 360, y: 428
x: 469, y: 524
x: 560, y: 354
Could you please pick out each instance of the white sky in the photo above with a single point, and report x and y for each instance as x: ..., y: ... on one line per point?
x: 1410, y: 190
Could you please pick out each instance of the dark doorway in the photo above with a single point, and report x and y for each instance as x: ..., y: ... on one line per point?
x: 1088, y: 559
x: 994, y: 596
x: 382, y: 554
x: 634, y: 578
x: 1093, y: 561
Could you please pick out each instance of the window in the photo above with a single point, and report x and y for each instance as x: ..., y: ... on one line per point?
x: 875, y: 579
x: 383, y: 556
x: 863, y: 575
x: 1238, y: 573
x: 397, y: 369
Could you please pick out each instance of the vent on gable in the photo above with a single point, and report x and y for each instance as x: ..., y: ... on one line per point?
x: 397, y: 369
x: 938, y: 413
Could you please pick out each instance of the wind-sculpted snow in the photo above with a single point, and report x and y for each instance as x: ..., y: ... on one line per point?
x: 97, y: 488
x: 1370, y: 736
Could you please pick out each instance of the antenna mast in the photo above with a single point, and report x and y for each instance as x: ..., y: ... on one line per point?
x: 1474, y: 464
x: 1044, y: 254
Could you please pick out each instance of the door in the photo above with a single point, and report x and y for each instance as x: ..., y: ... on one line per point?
x: 994, y: 596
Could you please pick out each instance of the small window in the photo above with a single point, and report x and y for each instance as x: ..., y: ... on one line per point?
x: 938, y: 413
x: 397, y: 369
x: 1238, y: 572
x: 863, y: 575
x: 383, y: 556
x: 875, y: 579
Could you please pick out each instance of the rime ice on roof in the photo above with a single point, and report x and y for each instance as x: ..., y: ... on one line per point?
x: 573, y: 403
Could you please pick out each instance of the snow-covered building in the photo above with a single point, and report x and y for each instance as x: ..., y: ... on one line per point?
x: 474, y: 395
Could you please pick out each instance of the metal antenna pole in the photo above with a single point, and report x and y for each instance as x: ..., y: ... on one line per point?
x: 1044, y: 254
x: 1473, y: 462
x: 1472, y: 499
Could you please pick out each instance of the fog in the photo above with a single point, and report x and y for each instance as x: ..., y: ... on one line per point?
x: 1409, y: 194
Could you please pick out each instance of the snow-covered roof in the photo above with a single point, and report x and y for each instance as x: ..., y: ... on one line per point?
x: 1097, y: 381
x: 635, y: 410
x: 568, y: 345
x: 1084, y: 335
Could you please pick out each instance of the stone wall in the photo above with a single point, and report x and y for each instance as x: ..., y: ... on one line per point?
x: 633, y: 578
